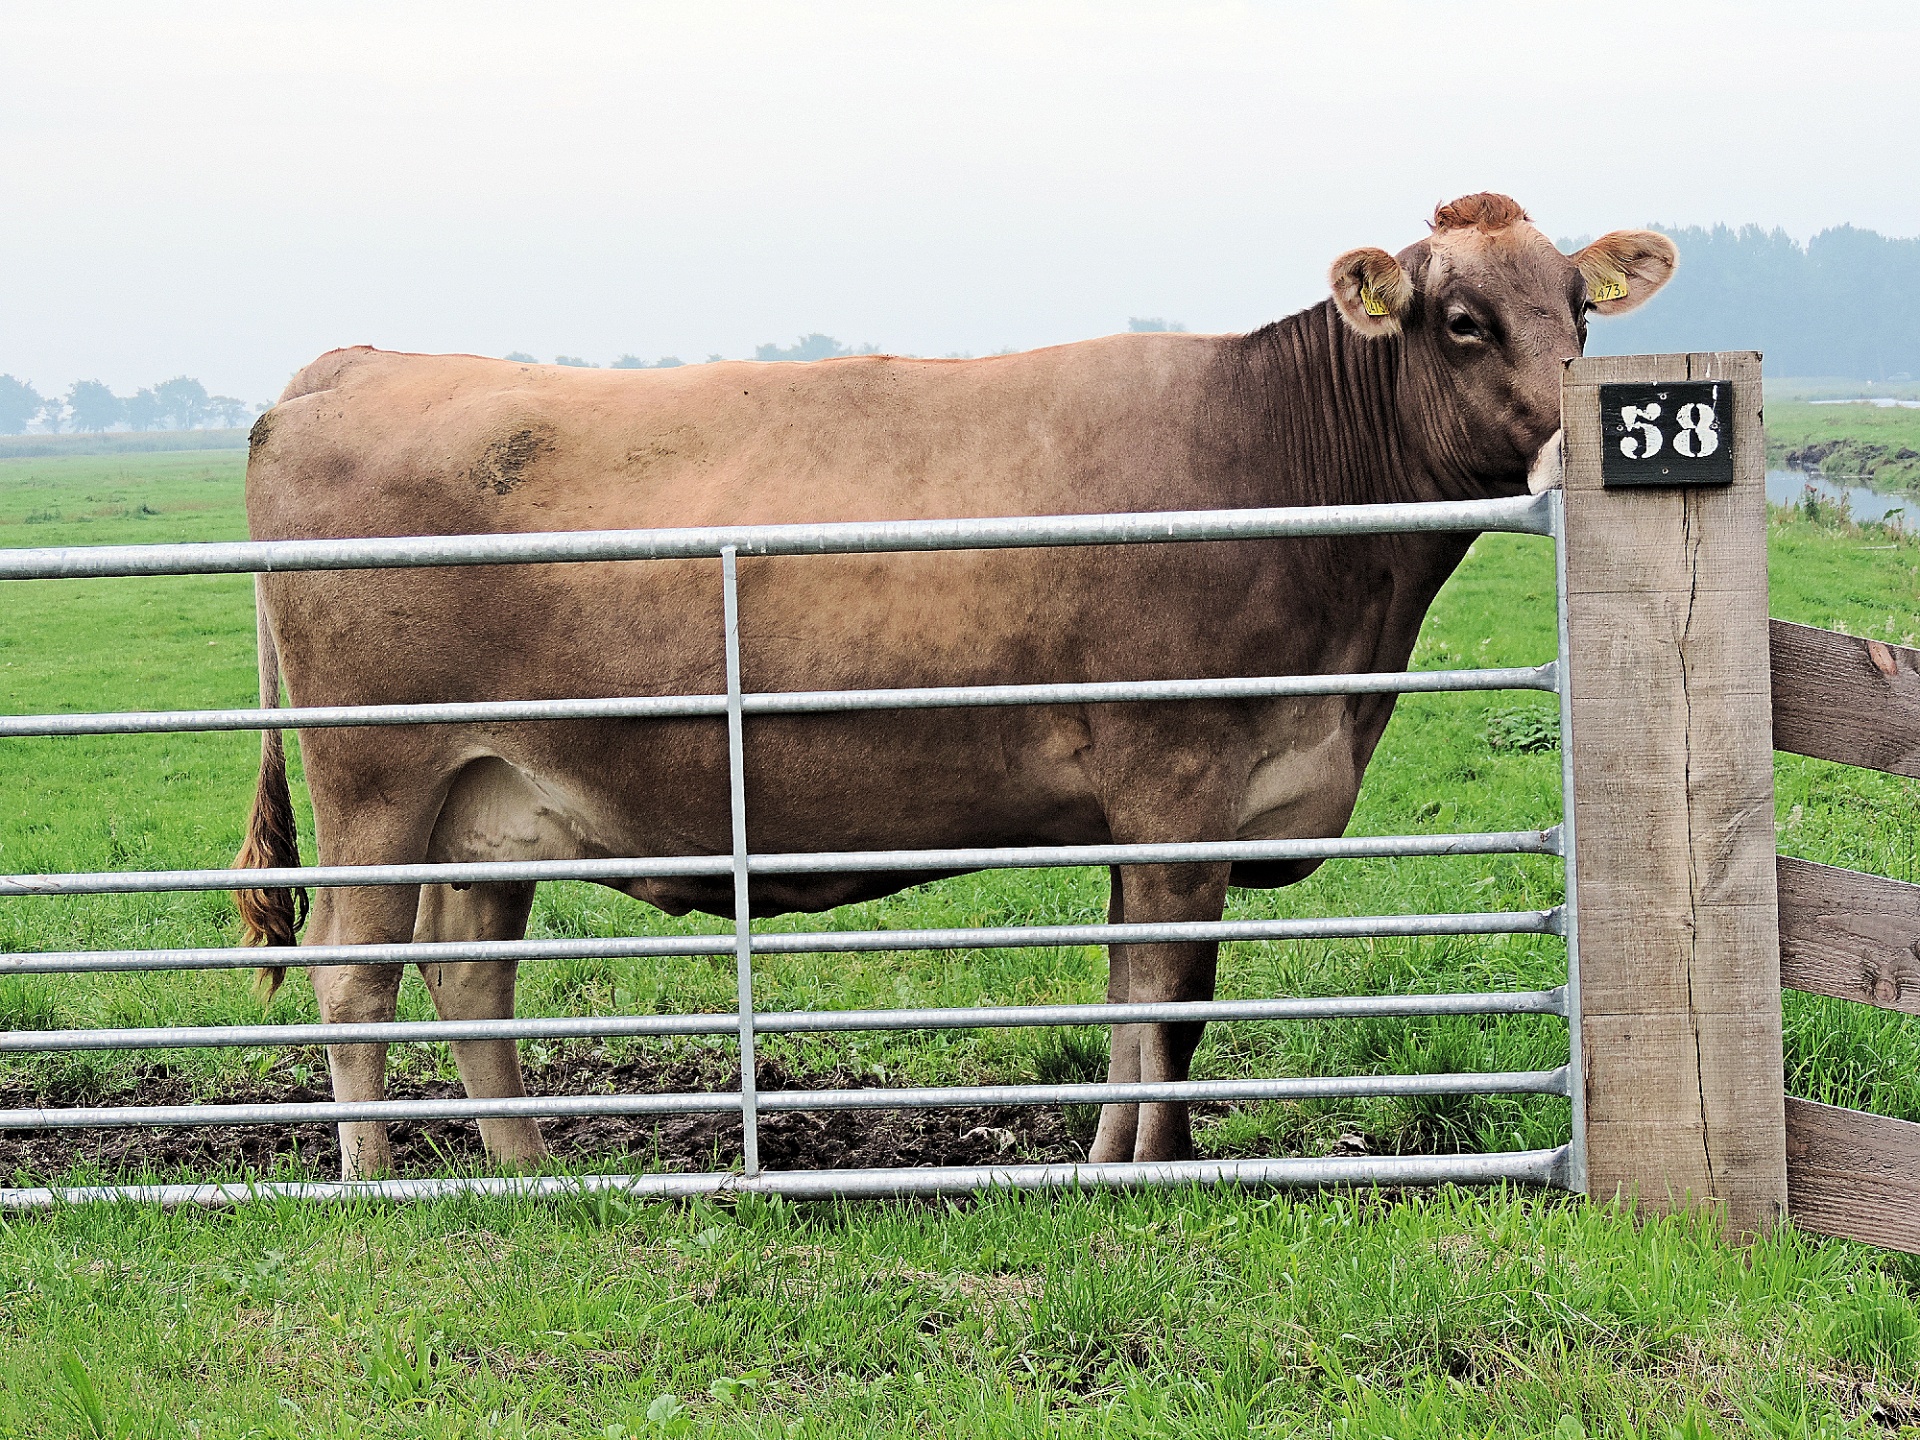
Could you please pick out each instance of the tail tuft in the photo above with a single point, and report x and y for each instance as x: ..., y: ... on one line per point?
x: 270, y: 917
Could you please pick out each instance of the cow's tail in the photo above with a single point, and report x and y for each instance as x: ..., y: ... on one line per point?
x: 270, y: 917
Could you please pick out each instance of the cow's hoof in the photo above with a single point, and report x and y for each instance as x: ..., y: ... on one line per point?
x: 1113, y: 1142
x: 514, y: 1144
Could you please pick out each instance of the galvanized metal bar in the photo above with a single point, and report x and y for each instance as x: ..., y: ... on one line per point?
x: 1570, y: 905
x: 1313, y: 1087
x: 597, y: 1027
x: 327, y: 1112
x: 778, y: 702
x: 325, y: 717
x: 135, y: 882
x: 147, y: 882
x: 1523, y: 514
x: 1526, y: 514
x: 742, y: 909
x: 788, y: 942
x: 1525, y: 1167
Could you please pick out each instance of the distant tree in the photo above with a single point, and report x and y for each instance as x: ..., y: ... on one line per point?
x: 1846, y: 304
x: 575, y: 361
x: 810, y: 347
x: 53, y: 410
x: 94, y: 407
x: 227, y: 412
x: 183, y: 401
x: 19, y: 403
x: 142, y: 410
x: 1154, y: 325
x: 634, y: 362
x: 520, y: 357
x: 714, y: 357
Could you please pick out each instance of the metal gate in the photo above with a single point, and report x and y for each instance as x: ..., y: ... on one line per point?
x: 1561, y: 1166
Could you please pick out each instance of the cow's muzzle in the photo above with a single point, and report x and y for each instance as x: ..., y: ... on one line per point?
x: 1549, y: 468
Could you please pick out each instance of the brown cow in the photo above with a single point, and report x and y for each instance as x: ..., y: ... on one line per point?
x: 1433, y: 375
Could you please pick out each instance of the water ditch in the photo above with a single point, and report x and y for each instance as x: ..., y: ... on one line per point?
x: 1787, y: 487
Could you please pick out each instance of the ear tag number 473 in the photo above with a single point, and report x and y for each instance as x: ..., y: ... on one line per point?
x: 1673, y: 434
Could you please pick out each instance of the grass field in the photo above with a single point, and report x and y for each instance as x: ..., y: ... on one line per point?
x: 1190, y: 1314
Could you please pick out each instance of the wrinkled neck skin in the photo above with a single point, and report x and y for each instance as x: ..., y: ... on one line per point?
x: 1348, y: 420
x: 1313, y: 414
x: 1461, y: 464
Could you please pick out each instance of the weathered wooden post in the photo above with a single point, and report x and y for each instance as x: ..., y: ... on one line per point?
x: 1672, y: 756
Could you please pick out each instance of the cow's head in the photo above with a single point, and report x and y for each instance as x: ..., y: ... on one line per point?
x: 1486, y: 309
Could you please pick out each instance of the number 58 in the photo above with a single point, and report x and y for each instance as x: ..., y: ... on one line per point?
x: 1697, y: 437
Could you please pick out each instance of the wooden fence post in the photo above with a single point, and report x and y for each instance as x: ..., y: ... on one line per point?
x: 1672, y: 750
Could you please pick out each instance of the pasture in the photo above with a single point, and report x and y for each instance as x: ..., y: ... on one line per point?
x: 1181, y: 1314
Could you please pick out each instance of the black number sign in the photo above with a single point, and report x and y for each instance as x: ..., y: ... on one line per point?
x: 1676, y: 434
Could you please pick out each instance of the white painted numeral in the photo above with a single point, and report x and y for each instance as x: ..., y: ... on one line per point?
x: 1642, y: 440
x: 1699, y: 433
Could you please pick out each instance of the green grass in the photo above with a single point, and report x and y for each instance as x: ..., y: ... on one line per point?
x: 1182, y: 1314
x: 1195, y: 1313
x: 1836, y: 387
x: 120, y: 442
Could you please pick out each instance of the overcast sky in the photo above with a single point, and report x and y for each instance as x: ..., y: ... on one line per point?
x: 227, y: 190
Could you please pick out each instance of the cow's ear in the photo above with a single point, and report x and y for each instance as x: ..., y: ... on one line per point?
x: 1372, y: 291
x: 1625, y: 268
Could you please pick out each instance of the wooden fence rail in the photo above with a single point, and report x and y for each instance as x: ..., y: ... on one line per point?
x: 1841, y: 697
x: 1849, y: 935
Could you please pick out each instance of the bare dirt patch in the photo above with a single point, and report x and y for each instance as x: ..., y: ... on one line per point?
x: 835, y: 1139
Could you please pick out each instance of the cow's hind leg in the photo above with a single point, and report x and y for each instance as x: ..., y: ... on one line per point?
x: 351, y: 994
x: 482, y: 990
x: 1145, y: 974
x: 1113, y: 1141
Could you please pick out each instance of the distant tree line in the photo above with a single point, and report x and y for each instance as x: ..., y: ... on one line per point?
x: 181, y: 403
x: 808, y: 347
x: 1846, y: 304
x: 812, y: 347
x: 815, y: 346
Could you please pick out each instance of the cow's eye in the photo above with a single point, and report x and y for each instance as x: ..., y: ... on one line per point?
x: 1463, y: 326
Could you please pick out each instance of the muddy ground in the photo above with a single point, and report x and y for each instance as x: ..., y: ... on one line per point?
x: 837, y: 1139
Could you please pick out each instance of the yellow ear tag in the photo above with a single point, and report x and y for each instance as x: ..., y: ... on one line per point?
x: 1611, y: 286
x: 1371, y: 302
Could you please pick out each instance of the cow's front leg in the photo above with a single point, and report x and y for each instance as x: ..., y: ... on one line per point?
x: 1144, y: 974
x: 482, y: 990
x: 354, y: 994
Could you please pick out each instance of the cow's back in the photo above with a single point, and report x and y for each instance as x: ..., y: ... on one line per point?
x: 372, y: 442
